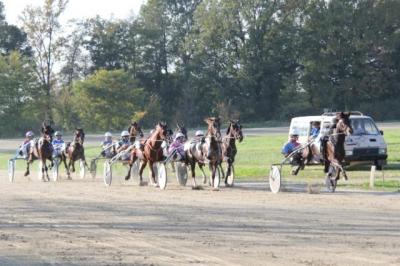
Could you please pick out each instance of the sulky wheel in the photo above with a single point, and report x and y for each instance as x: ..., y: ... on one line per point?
x: 11, y: 170
x: 275, y: 179
x: 181, y: 173
x: 107, y: 174
x: 231, y: 178
x: 162, y: 175
x: 55, y: 169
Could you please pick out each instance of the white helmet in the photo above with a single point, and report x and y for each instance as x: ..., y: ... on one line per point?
x: 29, y: 134
x: 107, y: 134
x: 58, y: 133
x: 124, y: 133
x: 179, y: 135
x: 199, y: 133
x: 294, y: 132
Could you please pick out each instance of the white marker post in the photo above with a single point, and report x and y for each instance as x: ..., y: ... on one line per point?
x: 372, y: 177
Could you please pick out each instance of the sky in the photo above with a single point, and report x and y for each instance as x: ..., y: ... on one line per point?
x: 78, y: 8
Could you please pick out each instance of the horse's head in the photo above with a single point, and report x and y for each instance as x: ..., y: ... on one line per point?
x: 135, y: 130
x: 235, y: 130
x: 343, y: 125
x: 79, y: 136
x: 161, y: 130
x: 214, y: 125
x: 181, y: 128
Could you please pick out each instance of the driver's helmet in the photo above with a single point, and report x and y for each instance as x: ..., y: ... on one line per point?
x: 124, y: 133
x: 294, y: 132
x: 199, y: 133
x: 179, y: 135
x: 29, y: 134
x: 58, y: 133
x: 108, y: 135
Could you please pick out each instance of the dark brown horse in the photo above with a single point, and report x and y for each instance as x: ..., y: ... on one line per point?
x: 150, y: 151
x: 333, y: 150
x: 180, y: 128
x: 75, y: 151
x: 207, y: 151
x: 43, y: 151
x: 229, y: 150
x: 134, y: 130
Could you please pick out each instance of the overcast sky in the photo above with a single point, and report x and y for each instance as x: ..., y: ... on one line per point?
x: 78, y: 8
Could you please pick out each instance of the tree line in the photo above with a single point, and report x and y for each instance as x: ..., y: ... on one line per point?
x: 183, y: 60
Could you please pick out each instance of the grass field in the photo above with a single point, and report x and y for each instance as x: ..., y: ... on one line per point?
x: 256, y: 154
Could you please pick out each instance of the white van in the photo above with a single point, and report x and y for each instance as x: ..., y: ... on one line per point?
x: 365, y: 145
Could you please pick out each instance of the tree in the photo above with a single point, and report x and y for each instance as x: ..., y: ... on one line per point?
x: 18, y: 94
x: 43, y: 28
x: 108, y: 99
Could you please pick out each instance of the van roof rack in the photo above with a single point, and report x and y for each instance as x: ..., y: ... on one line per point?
x: 334, y: 113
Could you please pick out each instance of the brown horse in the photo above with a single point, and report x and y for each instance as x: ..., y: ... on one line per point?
x: 229, y: 150
x: 75, y: 151
x: 43, y: 151
x: 333, y: 150
x: 134, y: 129
x: 207, y: 151
x: 150, y: 151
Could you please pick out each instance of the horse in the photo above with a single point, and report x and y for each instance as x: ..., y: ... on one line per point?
x: 42, y: 150
x: 134, y: 129
x: 229, y: 150
x: 75, y: 151
x: 333, y: 150
x: 205, y: 151
x: 150, y: 151
x: 180, y: 128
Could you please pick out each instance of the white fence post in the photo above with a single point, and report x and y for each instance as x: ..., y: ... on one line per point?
x: 372, y: 177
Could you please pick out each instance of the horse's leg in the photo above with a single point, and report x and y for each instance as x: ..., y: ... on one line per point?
x: 153, y: 176
x: 46, y: 169
x: 203, y: 173
x: 131, y: 162
x: 73, y: 166
x: 64, y: 159
x: 27, y: 168
x: 229, y: 163
x: 69, y: 168
x: 142, y: 166
x: 213, y: 170
x: 192, y: 169
x: 344, y: 174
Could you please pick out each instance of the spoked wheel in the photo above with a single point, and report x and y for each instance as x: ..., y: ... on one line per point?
x: 275, y: 179
x: 56, y: 166
x: 162, y: 175
x: 330, y: 179
x: 93, y: 168
x: 82, y: 169
x: 231, y: 178
x: 107, y: 175
x: 11, y: 170
x: 181, y: 173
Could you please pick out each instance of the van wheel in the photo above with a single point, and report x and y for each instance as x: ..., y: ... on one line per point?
x: 378, y: 165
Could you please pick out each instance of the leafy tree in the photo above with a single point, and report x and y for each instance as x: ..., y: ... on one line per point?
x: 19, y: 94
x: 43, y: 28
x: 107, y: 100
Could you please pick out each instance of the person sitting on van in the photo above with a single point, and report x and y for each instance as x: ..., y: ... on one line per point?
x: 316, y: 128
x: 357, y: 127
x: 292, y: 144
x: 108, y: 146
x: 58, y: 144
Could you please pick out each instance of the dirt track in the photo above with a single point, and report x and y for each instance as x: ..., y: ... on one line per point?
x: 81, y: 222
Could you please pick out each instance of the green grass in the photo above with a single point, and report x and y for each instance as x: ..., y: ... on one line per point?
x: 257, y: 154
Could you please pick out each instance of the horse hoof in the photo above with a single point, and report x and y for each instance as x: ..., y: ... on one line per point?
x: 127, y: 178
x: 141, y: 183
x: 26, y: 174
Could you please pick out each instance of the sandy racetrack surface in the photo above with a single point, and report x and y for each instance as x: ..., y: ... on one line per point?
x: 82, y: 222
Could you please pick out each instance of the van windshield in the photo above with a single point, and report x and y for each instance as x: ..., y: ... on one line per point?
x: 364, y: 126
